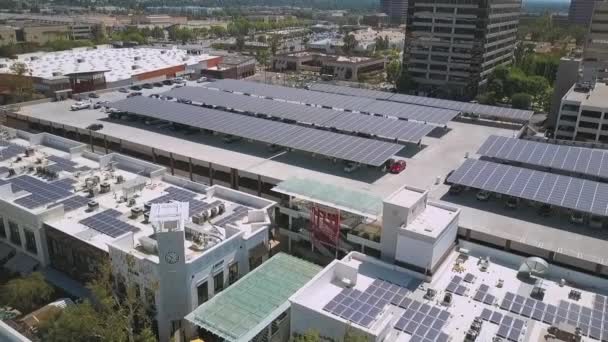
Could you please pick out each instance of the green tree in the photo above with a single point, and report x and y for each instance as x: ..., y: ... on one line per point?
x: 275, y: 43
x: 262, y: 39
x: 405, y: 83
x: 117, y: 313
x: 353, y: 335
x: 309, y: 336
x: 218, y: 31
x: 393, y: 71
x: 26, y: 293
x: 239, y: 43
x: 262, y: 56
x: 521, y: 101
x: 158, y: 32
x: 350, y: 43
x: 21, y: 84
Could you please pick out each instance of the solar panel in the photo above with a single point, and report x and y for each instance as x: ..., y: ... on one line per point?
x: 346, y: 147
x: 469, y: 278
x: 72, y: 203
x: 344, y: 121
x: 509, y: 114
x: 107, y: 222
x: 10, y: 150
x: 582, y: 195
x: 580, y: 160
x: 362, y: 104
x: 40, y: 192
x: 63, y: 163
x: 486, y: 314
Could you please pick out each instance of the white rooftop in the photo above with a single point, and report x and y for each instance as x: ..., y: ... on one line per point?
x: 141, y: 182
x: 501, y: 278
x: 118, y: 64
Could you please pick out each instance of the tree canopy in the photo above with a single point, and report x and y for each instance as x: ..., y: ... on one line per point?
x: 26, y: 293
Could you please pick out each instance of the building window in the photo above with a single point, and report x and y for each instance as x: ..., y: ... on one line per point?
x: 218, y: 282
x: 570, y: 107
x: 591, y: 114
x: 233, y: 273
x: 30, y: 241
x: 255, y: 261
x: 2, y: 228
x: 14, y: 230
x: 587, y: 124
x: 202, y: 292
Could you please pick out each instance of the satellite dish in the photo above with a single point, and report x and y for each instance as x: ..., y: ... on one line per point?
x: 534, y: 265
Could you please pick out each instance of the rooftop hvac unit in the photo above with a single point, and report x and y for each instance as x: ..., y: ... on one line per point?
x: 136, y: 212
x: 134, y: 67
x: 104, y: 187
x: 80, y: 60
x: 198, y: 219
x: 147, y: 206
x: 92, y: 205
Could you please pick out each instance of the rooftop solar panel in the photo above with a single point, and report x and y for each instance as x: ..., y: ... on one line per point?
x: 586, y: 161
x: 72, y: 203
x: 40, y: 192
x: 107, y: 222
x: 572, y: 193
x: 510, y: 114
x: 361, y: 104
x: 346, y: 147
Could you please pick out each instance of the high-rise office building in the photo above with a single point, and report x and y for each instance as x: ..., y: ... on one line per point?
x: 453, y: 45
x: 596, y: 42
x: 580, y: 11
x: 395, y: 9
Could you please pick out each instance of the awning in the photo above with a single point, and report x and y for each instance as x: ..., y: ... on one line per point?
x: 355, y: 202
x: 5, y: 251
x: 248, y: 306
x: 21, y: 263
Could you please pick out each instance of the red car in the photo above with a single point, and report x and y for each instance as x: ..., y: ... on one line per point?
x: 397, y: 166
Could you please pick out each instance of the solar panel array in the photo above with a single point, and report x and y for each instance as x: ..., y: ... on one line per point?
x: 510, y: 114
x: 508, y: 327
x: 423, y: 321
x: 72, y: 203
x: 344, y: 121
x: 107, y: 222
x: 181, y: 195
x: 364, y: 151
x: 482, y: 295
x: 361, y: 104
x: 563, y: 191
x: 237, y: 214
x: 587, y: 161
x: 10, y: 150
x: 456, y: 286
x: 363, y: 307
x: 63, y: 164
x: 41, y: 193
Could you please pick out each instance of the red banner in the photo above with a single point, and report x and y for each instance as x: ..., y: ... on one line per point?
x: 325, y: 226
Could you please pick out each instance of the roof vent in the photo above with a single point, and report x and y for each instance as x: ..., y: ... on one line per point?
x: 56, y: 73
x: 134, y: 67
x: 92, y: 205
x: 80, y: 60
x: 136, y: 58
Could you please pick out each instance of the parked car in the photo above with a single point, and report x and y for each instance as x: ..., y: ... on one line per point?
x: 135, y: 93
x: 577, y: 217
x: 157, y: 84
x: 99, y: 104
x: 456, y: 189
x: 136, y: 87
x: 228, y: 139
x: 483, y: 195
x: 123, y: 90
x: 351, y: 167
x: 93, y: 95
x: 80, y: 105
x: 397, y: 167
x: 179, y: 85
x: 95, y: 127
x: 512, y: 202
x: 147, y: 86
x: 167, y: 82
x: 201, y: 80
x: 544, y: 210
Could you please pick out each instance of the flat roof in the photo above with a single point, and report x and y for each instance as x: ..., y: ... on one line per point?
x: 480, y: 295
x: 63, y: 197
x: 118, y: 64
x: 596, y: 97
x: 241, y: 311
x: 437, y: 157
